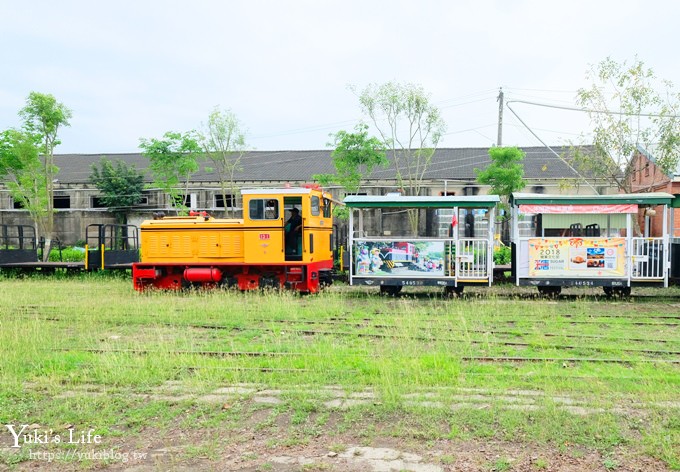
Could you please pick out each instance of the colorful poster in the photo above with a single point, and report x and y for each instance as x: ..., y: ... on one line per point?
x: 578, y: 209
x: 399, y: 258
x: 577, y: 257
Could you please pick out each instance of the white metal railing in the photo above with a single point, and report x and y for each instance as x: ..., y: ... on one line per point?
x: 472, y: 259
x: 648, y: 259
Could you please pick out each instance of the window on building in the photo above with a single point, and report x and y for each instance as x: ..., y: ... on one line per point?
x: 62, y: 202
x: 469, y: 191
x: 538, y: 189
x: 647, y: 170
x: 17, y: 205
x: 447, y: 194
x: 96, y: 202
x: 219, y: 201
x: 190, y: 200
x: 263, y: 209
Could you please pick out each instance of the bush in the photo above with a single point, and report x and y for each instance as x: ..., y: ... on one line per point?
x: 68, y: 254
x: 502, y: 255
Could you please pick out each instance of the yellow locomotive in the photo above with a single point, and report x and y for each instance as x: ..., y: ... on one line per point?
x: 283, y: 240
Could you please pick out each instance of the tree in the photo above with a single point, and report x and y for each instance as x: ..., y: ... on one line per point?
x: 223, y: 142
x: 505, y: 173
x: 410, y: 126
x: 20, y: 163
x: 172, y: 161
x: 355, y: 157
x: 43, y: 116
x: 121, y: 186
x: 629, y: 108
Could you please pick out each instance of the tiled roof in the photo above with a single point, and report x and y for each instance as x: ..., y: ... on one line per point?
x: 283, y: 166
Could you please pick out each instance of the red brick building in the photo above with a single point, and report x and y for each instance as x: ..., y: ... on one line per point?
x: 647, y: 177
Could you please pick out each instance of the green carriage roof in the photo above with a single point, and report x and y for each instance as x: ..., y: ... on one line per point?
x: 656, y: 198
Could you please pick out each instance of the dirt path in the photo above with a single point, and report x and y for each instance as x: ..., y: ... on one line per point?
x: 267, y: 436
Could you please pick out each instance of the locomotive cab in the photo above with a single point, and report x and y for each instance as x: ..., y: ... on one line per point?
x: 273, y: 233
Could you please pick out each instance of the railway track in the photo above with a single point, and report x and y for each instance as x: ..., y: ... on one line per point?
x: 641, y: 319
x: 486, y: 341
x: 302, y: 354
x: 514, y: 333
x: 659, y: 354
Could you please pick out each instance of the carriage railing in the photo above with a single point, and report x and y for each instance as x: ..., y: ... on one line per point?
x: 111, y: 244
x: 472, y: 258
x: 648, y: 259
x: 17, y: 237
x: 17, y: 244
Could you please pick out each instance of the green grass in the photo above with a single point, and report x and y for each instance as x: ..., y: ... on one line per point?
x: 112, y: 350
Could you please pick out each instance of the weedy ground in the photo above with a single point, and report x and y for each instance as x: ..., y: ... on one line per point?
x: 499, y: 379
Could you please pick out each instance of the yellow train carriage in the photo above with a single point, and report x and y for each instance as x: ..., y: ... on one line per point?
x: 283, y: 239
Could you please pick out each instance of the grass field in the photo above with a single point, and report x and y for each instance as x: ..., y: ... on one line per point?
x: 214, y: 374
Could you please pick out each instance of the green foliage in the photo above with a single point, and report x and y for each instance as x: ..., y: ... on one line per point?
x: 223, y: 143
x: 172, y: 161
x: 502, y: 255
x: 20, y: 164
x: 44, y: 115
x: 68, y: 254
x: 410, y: 126
x: 355, y: 157
x: 121, y: 186
x: 341, y: 212
x: 630, y: 108
x: 505, y: 173
x: 42, y: 118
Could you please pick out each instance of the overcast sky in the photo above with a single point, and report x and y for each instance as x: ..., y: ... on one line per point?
x: 136, y: 69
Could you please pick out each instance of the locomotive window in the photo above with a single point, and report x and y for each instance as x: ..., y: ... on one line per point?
x: 326, y: 208
x: 315, y: 206
x: 262, y: 209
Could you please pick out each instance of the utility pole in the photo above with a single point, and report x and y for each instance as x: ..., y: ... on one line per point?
x: 500, y: 117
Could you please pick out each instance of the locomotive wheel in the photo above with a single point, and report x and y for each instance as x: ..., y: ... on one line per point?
x: 451, y: 291
x: 325, y: 278
x: 390, y: 290
x: 549, y: 291
x: 618, y: 292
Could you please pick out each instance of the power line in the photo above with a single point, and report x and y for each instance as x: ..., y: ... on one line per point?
x: 551, y: 149
x: 327, y: 126
x: 590, y: 110
x: 541, y: 90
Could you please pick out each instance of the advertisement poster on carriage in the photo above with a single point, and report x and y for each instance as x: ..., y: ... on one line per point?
x: 399, y: 258
x: 577, y: 257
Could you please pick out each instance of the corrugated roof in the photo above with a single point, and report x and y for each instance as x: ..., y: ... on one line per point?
x: 283, y: 166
